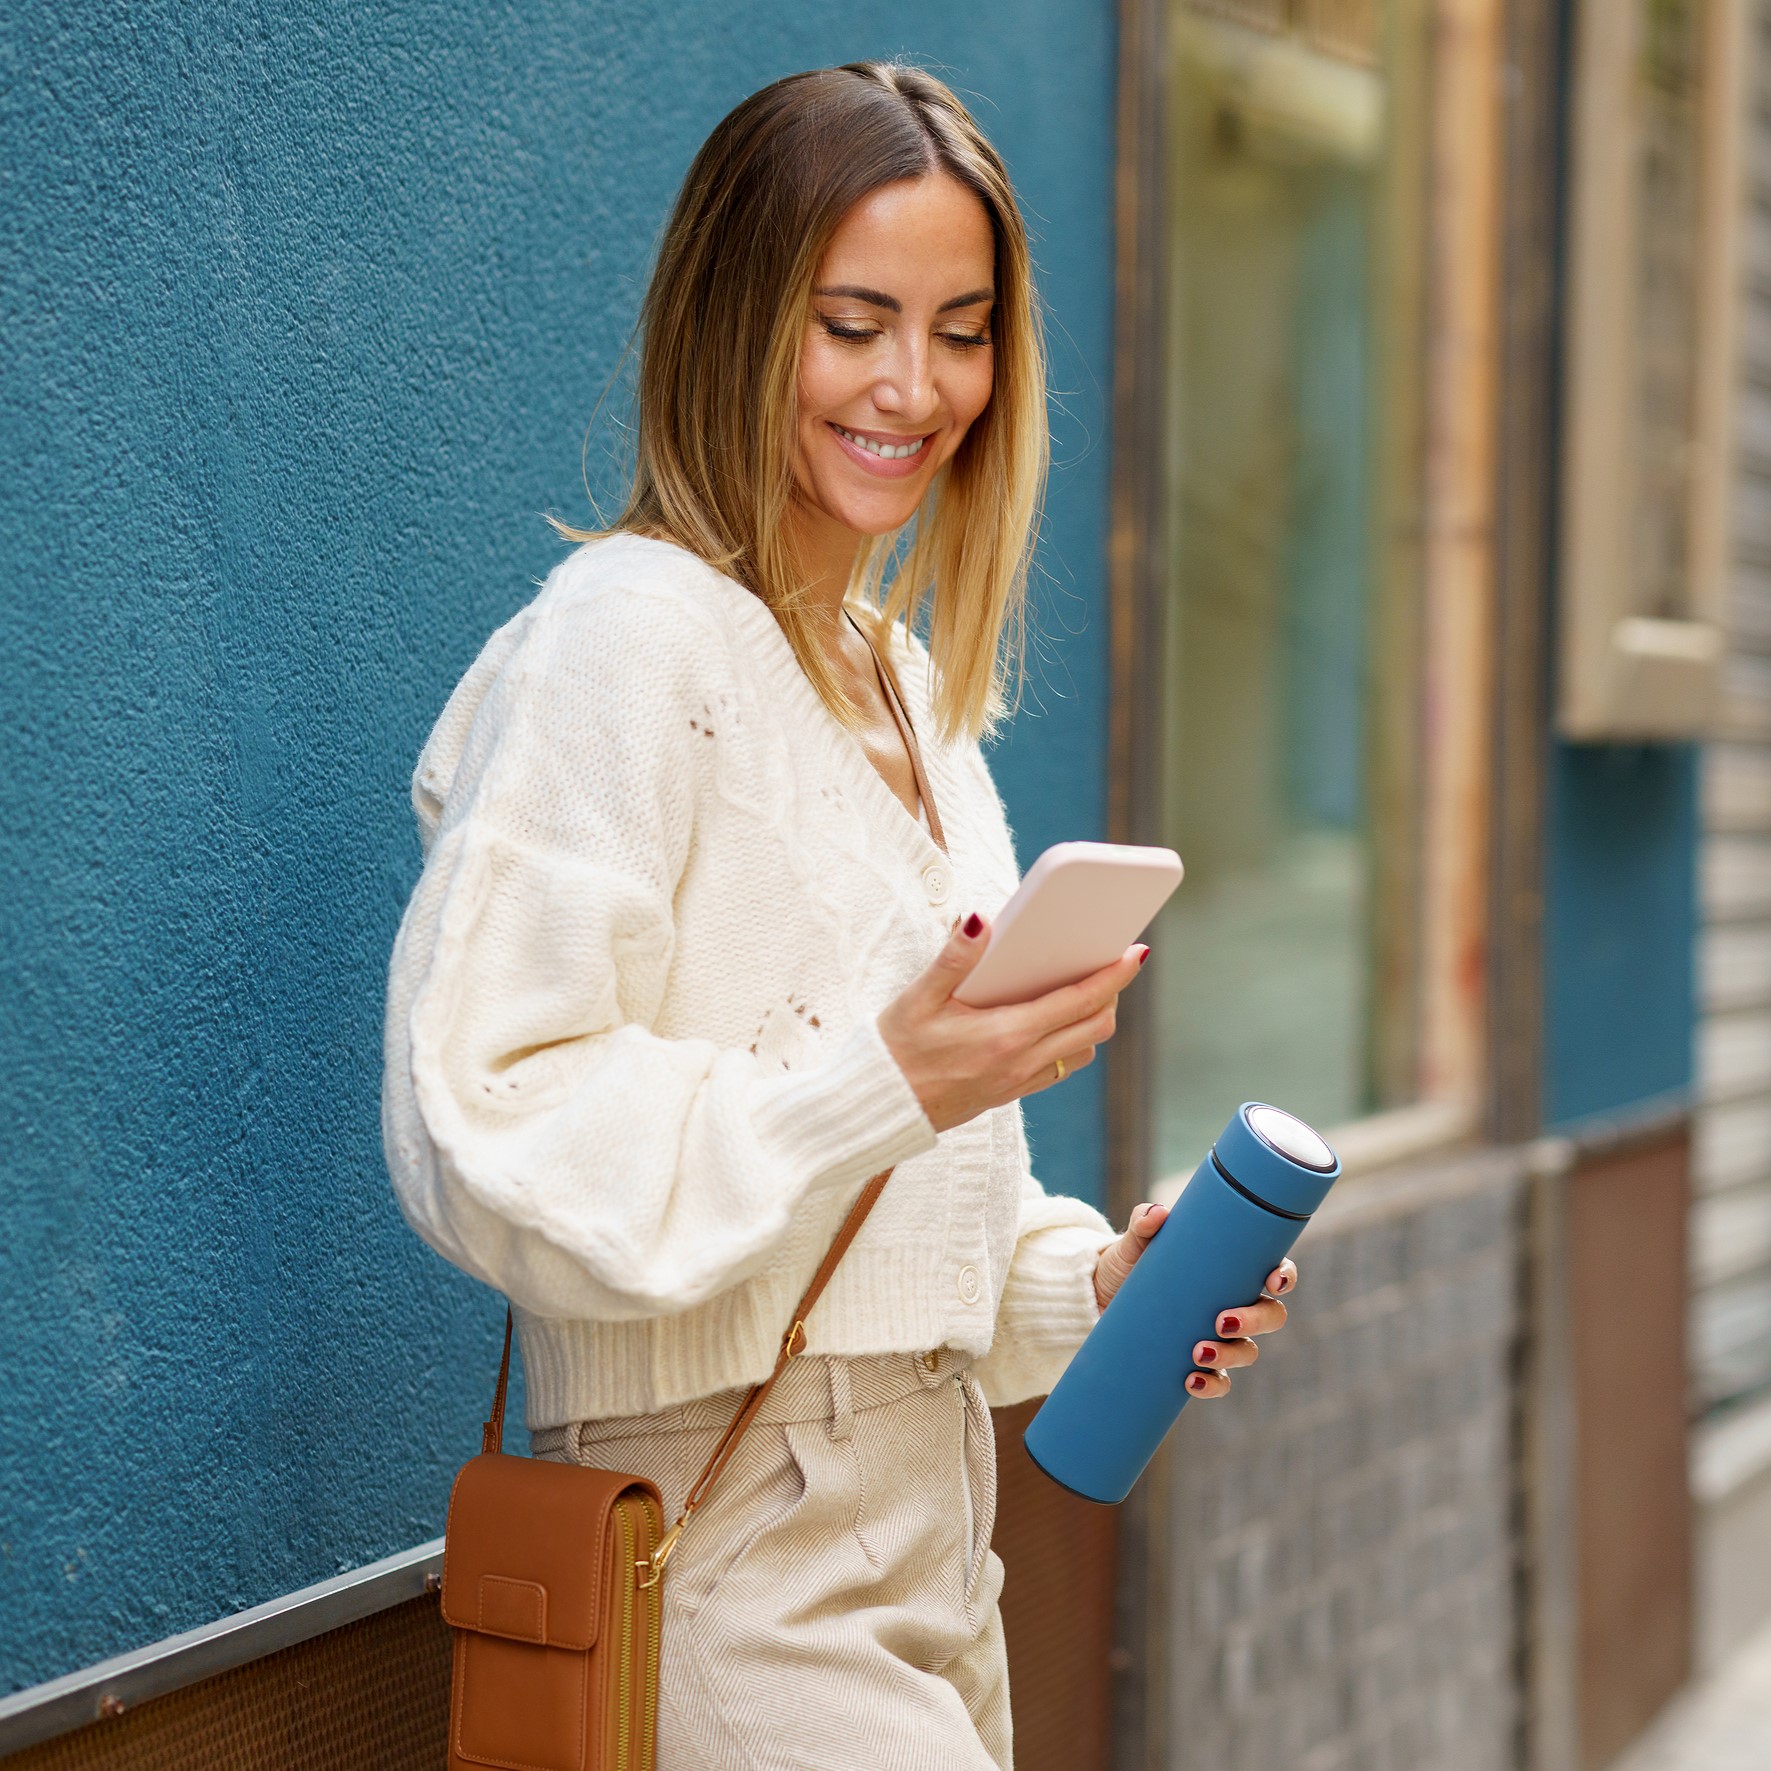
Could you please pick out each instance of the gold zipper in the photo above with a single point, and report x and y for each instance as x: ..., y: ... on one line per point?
x: 624, y: 1661
x: 654, y: 1625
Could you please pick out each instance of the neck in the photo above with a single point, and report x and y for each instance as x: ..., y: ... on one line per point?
x: 827, y: 553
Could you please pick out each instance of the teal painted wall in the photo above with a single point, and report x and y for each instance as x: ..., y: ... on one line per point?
x: 1620, y: 929
x: 305, y: 310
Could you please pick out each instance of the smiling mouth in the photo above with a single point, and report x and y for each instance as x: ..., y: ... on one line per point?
x: 885, y: 450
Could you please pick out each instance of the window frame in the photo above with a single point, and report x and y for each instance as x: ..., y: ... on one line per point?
x: 1453, y: 563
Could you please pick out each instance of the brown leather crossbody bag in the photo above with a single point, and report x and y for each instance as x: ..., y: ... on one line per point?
x: 553, y: 1573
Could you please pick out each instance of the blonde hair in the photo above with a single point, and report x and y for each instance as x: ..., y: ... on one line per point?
x: 717, y: 396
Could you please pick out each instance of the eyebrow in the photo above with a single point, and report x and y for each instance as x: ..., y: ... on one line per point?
x: 876, y: 298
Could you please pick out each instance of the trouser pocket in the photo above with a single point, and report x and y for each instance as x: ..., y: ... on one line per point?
x: 762, y: 1493
x: 980, y: 1480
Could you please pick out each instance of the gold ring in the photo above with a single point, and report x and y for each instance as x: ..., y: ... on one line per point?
x: 1063, y: 1070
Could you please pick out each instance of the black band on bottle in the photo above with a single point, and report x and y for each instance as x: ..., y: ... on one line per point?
x: 1297, y: 1217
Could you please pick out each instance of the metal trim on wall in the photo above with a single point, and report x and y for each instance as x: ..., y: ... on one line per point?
x: 1137, y: 558
x: 1525, y: 558
x: 41, y: 1712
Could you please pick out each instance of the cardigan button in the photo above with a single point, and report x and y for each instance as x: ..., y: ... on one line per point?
x: 936, y: 883
x: 971, y: 1287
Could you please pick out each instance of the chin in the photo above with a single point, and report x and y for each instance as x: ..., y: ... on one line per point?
x: 874, y: 523
x: 873, y: 516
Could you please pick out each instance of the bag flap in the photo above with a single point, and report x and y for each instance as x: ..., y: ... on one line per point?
x: 526, y: 1548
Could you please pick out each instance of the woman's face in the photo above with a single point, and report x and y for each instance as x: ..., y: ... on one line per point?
x: 897, y: 359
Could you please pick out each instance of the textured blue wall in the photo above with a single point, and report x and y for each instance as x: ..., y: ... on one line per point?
x: 1620, y: 919
x: 305, y: 310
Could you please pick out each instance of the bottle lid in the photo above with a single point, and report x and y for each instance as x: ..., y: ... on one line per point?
x: 1278, y: 1158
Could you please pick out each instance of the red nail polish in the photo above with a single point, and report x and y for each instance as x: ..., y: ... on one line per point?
x: 973, y: 923
x: 1208, y: 1355
x: 1232, y: 1325
x: 1196, y: 1381
x: 1143, y: 956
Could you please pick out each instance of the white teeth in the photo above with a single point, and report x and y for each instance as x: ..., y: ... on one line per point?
x: 885, y: 451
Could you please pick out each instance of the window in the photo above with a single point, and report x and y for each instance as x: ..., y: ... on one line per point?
x: 1319, y: 954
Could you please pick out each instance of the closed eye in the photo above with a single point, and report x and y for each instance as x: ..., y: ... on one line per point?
x: 864, y: 334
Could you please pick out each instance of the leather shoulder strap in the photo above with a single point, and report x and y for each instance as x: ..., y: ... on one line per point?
x: 792, y: 1343
x: 901, y: 715
x: 492, y: 1435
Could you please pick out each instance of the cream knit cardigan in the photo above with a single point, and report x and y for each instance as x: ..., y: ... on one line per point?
x: 633, y: 1072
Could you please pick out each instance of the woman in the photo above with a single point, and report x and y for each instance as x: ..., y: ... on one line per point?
x: 678, y: 976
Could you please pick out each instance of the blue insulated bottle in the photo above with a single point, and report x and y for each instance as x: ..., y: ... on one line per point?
x: 1233, y: 1224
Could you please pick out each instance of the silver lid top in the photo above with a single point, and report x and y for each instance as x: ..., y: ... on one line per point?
x: 1291, y: 1138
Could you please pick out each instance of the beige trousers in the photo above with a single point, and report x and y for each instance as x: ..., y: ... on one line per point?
x: 833, y: 1604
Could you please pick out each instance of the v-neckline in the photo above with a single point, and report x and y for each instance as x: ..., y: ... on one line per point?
x: 850, y: 746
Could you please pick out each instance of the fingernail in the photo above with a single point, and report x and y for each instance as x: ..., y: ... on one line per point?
x: 1206, y: 1355
x: 1287, y: 1283
x: 1196, y: 1382
x: 1143, y: 956
x: 1231, y: 1324
x: 973, y: 923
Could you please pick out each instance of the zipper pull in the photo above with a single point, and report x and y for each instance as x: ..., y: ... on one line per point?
x: 649, y: 1572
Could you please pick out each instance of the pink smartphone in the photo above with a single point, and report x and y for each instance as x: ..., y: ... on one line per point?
x: 1080, y: 905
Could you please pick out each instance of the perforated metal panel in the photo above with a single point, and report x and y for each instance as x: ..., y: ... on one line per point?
x: 372, y: 1696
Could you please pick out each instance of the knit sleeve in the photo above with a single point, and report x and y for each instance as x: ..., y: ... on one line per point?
x: 1048, y: 1303
x: 540, y: 1134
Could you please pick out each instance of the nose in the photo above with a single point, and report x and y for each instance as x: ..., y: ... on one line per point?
x: 906, y: 385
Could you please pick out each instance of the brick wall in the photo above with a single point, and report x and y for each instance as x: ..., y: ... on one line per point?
x: 1344, y: 1563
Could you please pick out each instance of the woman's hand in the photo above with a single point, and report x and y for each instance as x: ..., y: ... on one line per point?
x: 1237, y: 1325
x: 961, y: 1061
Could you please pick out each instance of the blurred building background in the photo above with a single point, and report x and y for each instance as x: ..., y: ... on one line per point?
x: 1408, y: 568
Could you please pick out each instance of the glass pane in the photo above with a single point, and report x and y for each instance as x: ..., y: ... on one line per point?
x: 1285, y: 651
